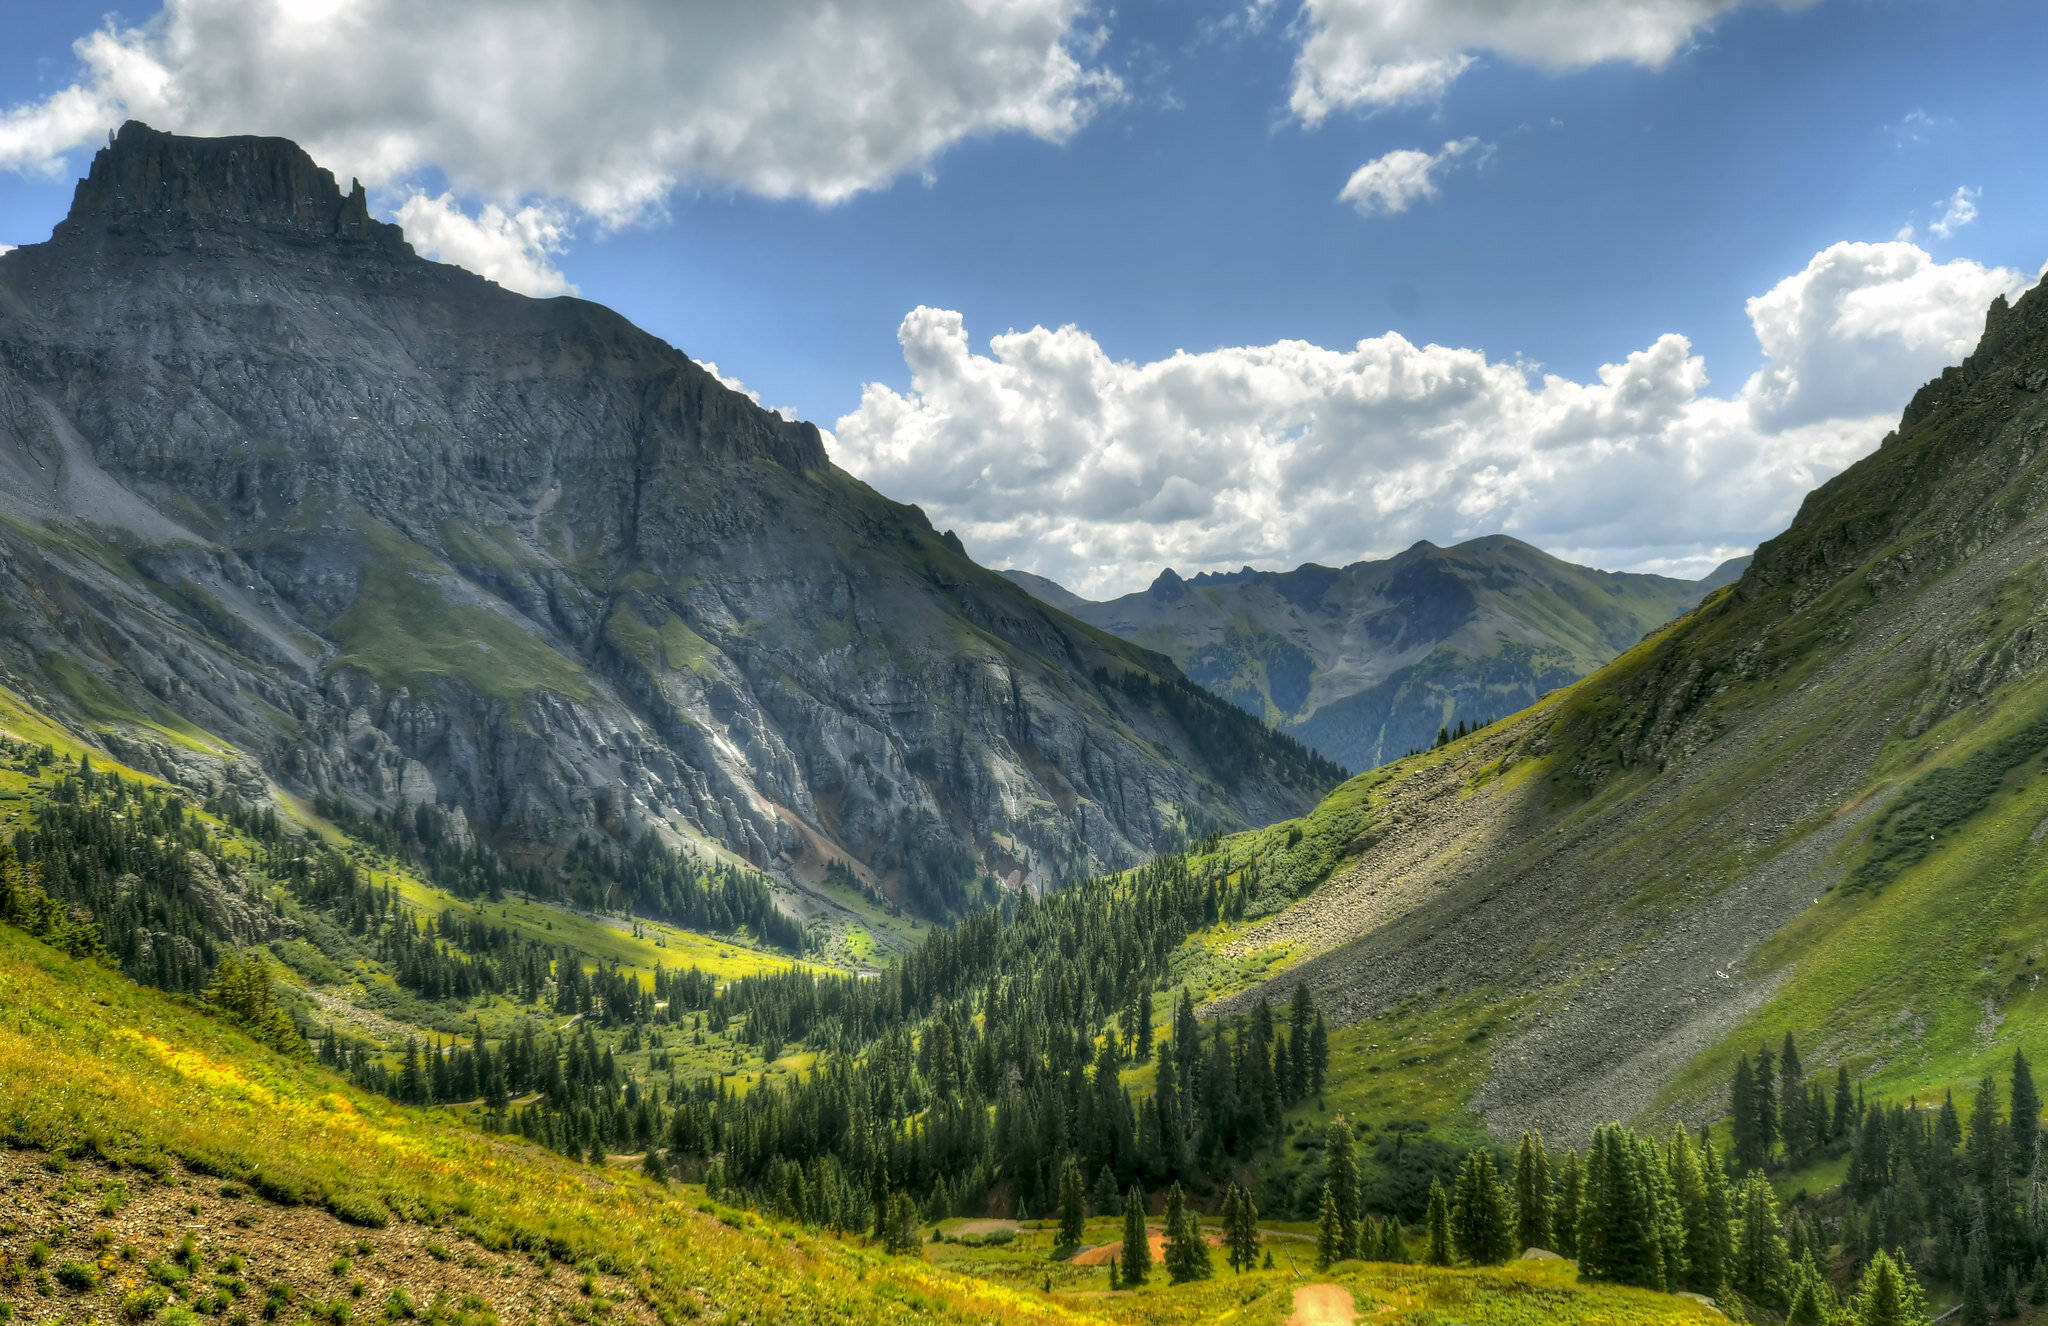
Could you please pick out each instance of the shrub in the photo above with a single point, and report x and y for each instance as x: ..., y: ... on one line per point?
x: 78, y: 1277
x: 359, y: 1209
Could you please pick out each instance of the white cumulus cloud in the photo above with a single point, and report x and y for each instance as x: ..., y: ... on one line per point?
x: 1958, y: 210
x: 515, y: 249
x: 1045, y: 453
x: 548, y: 109
x: 1396, y: 181
x: 1380, y: 53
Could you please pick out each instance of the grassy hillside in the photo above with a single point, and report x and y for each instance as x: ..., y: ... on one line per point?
x: 139, y: 1102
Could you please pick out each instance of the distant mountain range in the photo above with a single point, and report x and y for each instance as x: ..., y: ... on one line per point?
x: 1366, y: 662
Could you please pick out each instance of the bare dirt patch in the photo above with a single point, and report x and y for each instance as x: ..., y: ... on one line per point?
x: 84, y: 1241
x: 1322, y: 1305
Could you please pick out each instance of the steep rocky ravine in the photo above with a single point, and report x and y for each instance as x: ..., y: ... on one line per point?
x: 401, y: 536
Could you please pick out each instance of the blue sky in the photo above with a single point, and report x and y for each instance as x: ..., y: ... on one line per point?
x: 1601, y: 205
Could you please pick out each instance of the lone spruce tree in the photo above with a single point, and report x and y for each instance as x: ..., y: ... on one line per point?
x: 1241, y: 1228
x: 1137, y: 1259
x: 1073, y: 1206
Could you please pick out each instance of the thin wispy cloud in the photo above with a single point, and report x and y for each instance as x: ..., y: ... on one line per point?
x: 1958, y: 210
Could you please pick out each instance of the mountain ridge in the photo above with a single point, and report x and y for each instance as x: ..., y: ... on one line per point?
x: 406, y: 538
x: 1826, y: 754
x: 1367, y: 662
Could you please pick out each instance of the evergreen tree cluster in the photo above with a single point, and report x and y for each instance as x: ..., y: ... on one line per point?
x: 1967, y: 1202
x: 1775, y: 1110
x: 644, y: 879
x: 25, y: 906
x: 242, y: 987
x: 126, y: 856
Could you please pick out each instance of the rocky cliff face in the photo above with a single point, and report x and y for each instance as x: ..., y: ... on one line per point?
x: 1366, y: 662
x: 270, y: 481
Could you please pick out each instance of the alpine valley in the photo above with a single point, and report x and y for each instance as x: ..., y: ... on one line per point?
x: 501, y: 830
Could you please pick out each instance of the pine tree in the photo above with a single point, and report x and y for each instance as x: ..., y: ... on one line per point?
x: 1241, y: 1228
x: 1565, y: 1213
x: 899, y: 1233
x: 1532, y: 1195
x: 1073, y: 1206
x: 1343, y: 1183
x: 651, y: 1165
x: 1187, y: 1254
x: 1393, y: 1242
x: 1481, y: 1230
x: 1890, y: 1296
x: 1843, y: 1119
x: 1766, y: 1103
x: 1975, y: 1311
x: 1990, y: 1161
x: 1329, y: 1232
x: 1300, y: 1027
x: 1706, y: 1232
x: 1806, y: 1308
x: 1791, y: 1102
x: 1439, y: 1222
x: 2009, y: 1295
x: 1745, y: 1137
x: 1618, y: 1238
x: 2026, y: 1113
x: 1318, y: 1057
x: 1105, y: 1199
x: 1718, y: 1244
x: 1137, y: 1259
x: 1760, y: 1264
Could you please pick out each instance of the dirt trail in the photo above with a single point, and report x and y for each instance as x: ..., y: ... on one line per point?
x: 1322, y: 1305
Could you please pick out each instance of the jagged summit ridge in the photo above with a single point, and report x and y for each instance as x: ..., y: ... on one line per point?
x: 163, y: 184
x: 410, y: 539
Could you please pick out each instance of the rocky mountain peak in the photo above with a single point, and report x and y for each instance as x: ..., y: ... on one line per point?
x: 168, y: 187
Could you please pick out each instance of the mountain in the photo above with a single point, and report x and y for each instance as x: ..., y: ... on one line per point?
x: 1813, y: 805
x: 1367, y: 662
x: 282, y: 502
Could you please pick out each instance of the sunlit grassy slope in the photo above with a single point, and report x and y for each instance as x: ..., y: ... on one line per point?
x: 91, y: 1063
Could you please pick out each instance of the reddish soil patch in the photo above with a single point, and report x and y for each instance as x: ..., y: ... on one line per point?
x: 1101, y: 1253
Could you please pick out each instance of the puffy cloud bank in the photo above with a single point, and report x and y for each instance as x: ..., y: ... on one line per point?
x: 602, y: 107
x: 1047, y: 454
x: 1377, y: 53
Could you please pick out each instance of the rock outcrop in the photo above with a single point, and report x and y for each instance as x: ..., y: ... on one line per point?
x: 271, y: 481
